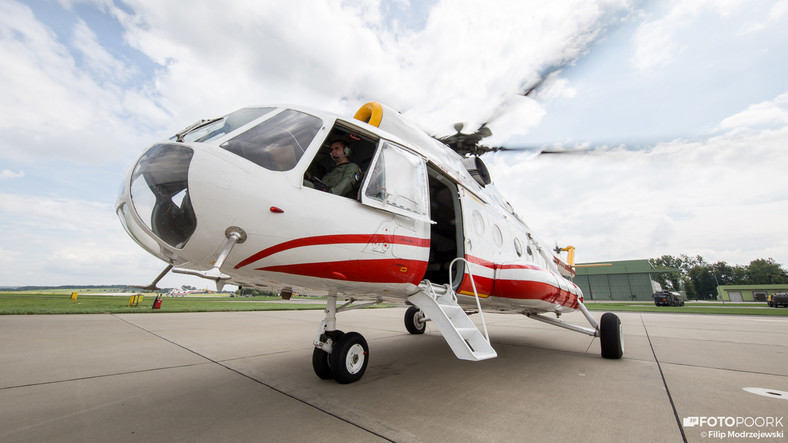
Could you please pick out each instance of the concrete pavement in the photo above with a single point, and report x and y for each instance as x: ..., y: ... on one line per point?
x: 247, y: 376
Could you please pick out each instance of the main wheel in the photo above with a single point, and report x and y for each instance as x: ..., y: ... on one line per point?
x: 320, y: 364
x: 414, y: 320
x: 349, y: 358
x: 610, y: 336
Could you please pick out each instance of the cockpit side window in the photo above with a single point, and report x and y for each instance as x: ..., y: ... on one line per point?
x: 341, y: 173
x: 398, y: 182
x: 277, y: 143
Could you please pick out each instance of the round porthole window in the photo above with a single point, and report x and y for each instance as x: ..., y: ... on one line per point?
x: 518, y: 248
x: 478, y: 222
x: 497, y: 236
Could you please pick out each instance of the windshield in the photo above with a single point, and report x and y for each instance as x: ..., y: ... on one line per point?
x: 277, y: 143
x: 207, y: 130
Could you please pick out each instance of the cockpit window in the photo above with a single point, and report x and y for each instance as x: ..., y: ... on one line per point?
x: 278, y: 143
x: 398, y: 182
x: 207, y: 130
x: 160, y: 193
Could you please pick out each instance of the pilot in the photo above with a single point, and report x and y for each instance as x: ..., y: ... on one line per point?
x: 346, y: 175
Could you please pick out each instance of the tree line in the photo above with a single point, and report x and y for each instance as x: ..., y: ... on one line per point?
x: 700, y: 279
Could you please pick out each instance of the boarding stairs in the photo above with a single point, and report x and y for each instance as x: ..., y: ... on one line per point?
x: 439, y: 305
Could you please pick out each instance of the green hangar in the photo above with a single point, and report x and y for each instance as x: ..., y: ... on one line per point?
x: 748, y: 292
x: 618, y: 280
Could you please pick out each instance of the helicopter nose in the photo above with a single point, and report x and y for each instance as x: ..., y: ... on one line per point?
x: 159, y: 193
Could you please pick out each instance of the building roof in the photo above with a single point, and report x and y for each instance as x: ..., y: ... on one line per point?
x: 773, y: 286
x: 642, y: 266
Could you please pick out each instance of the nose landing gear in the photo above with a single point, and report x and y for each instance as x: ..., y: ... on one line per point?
x: 338, y: 355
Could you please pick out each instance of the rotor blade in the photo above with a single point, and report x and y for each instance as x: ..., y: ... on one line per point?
x: 595, y: 149
x: 543, y: 76
x: 545, y: 150
x: 579, y: 47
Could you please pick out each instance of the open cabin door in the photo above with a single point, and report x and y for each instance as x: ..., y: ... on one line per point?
x: 446, y: 231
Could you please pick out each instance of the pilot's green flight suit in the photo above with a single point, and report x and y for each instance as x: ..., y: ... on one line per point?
x: 343, y: 179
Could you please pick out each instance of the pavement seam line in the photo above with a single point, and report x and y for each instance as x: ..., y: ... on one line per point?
x: 91, y: 377
x: 740, y: 371
x: 664, y: 381
x: 286, y: 394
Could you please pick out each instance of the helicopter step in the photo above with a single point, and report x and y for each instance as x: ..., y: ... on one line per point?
x: 439, y: 304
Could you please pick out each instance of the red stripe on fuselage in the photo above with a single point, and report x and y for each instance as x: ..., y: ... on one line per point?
x: 366, y: 271
x: 534, y: 290
x: 493, y: 266
x: 517, y: 289
x: 333, y: 240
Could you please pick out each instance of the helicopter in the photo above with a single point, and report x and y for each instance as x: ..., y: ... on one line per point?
x: 236, y: 200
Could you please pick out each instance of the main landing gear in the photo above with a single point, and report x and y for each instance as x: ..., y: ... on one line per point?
x: 610, y: 337
x: 338, y: 355
x: 415, y: 320
x: 608, y: 330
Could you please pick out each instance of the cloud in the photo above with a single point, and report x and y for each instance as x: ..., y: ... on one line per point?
x: 55, y: 241
x: 7, y: 174
x: 473, y: 73
x: 338, y: 55
x: 770, y: 113
x: 697, y: 197
x: 41, y: 212
x: 103, y: 66
x: 776, y: 14
x: 53, y: 107
x: 659, y: 41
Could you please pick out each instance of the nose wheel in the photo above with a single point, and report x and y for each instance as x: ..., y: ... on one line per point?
x: 320, y: 358
x: 350, y: 358
x: 338, y: 355
x: 347, y: 361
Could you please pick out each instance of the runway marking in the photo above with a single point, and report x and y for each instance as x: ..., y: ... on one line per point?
x: 771, y: 393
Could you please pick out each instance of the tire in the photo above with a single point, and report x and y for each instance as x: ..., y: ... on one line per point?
x: 321, y: 365
x: 610, y: 337
x: 414, y: 320
x: 320, y: 358
x: 350, y: 358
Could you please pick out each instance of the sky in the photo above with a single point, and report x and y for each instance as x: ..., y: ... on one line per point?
x: 682, y: 107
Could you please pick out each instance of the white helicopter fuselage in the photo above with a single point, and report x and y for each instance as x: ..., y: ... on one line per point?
x: 382, y: 241
x: 242, y: 200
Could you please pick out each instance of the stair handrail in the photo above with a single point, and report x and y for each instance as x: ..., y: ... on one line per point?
x: 475, y: 293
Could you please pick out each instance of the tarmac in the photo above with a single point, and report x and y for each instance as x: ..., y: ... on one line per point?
x: 247, y: 376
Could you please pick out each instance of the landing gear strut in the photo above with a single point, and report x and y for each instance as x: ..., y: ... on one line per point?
x: 338, y: 355
x: 608, y: 330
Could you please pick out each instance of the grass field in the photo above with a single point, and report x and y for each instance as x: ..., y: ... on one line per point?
x: 691, y: 308
x: 93, y: 303
x: 97, y: 301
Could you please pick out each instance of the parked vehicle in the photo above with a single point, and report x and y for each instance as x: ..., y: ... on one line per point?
x: 665, y: 298
x: 778, y: 299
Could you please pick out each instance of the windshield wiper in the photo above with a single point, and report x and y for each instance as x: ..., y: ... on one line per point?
x: 179, y: 136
